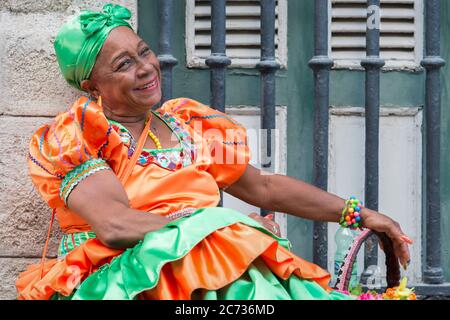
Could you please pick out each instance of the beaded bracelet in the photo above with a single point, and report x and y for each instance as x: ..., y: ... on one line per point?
x: 350, y: 217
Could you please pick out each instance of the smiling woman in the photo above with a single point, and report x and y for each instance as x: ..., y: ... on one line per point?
x: 130, y: 76
x: 140, y: 216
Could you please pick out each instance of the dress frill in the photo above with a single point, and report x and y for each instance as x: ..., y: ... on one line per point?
x: 215, y: 253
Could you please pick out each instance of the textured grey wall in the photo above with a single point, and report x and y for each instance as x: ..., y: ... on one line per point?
x: 32, y: 91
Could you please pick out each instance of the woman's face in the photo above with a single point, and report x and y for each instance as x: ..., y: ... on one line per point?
x: 126, y: 74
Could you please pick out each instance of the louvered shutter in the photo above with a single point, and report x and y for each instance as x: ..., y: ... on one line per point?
x: 243, y: 28
x: 400, y: 30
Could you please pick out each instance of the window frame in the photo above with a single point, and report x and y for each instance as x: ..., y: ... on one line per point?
x: 194, y: 61
x: 390, y: 65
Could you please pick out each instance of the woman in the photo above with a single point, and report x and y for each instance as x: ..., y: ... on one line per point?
x: 139, y: 215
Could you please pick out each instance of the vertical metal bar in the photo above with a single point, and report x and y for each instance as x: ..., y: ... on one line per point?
x: 166, y: 59
x: 268, y: 66
x: 433, y: 272
x: 373, y: 64
x: 218, y: 61
x: 321, y: 65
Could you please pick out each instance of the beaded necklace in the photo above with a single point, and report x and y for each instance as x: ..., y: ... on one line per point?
x: 152, y: 135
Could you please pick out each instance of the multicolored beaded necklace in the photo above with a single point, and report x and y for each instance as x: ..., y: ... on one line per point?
x: 171, y: 158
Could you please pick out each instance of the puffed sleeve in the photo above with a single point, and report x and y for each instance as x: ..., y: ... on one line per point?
x: 226, y: 139
x: 73, y: 146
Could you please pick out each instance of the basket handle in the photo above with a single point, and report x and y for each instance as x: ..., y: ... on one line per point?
x: 392, y: 266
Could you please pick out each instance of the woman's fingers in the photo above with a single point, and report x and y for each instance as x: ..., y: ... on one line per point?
x: 381, y: 245
x: 400, y: 245
x: 381, y: 223
x: 274, y: 227
x: 254, y: 215
x: 267, y: 223
x: 406, y: 239
x: 403, y: 253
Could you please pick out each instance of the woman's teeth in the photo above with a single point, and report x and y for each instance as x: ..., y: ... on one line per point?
x: 150, y: 85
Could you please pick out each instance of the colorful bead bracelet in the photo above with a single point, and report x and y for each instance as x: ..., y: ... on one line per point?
x: 351, y: 217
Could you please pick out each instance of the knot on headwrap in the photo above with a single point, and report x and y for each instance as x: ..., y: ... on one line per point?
x: 80, y: 40
x: 91, y: 22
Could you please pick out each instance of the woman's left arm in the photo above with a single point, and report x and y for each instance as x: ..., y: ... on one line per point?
x: 285, y: 194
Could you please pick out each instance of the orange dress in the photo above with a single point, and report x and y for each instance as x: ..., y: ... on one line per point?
x: 214, y: 247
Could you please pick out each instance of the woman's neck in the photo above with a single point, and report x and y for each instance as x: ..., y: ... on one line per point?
x: 134, y: 119
x: 135, y: 122
x: 129, y: 120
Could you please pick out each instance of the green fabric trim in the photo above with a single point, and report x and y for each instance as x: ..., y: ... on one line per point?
x: 78, y: 174
x: 156, y: 151
x: 66, y: 245
x: 138, y: 268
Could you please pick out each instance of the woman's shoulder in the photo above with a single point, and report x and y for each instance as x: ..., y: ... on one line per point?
x: 86, y: 111
x: 83, y: 114
x: 179, y: 104
x: 75, y: 144
x: 81, y: 129
x: 191, y: 110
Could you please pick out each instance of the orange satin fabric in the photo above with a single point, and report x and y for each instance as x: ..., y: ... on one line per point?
x: 83, y: 132
x: 61, y: 275
x: 232, y: 248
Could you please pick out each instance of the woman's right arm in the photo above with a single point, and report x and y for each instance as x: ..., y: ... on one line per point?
x: 101, y: 200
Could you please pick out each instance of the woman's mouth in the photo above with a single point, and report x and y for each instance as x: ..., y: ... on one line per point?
x: 149, y: 87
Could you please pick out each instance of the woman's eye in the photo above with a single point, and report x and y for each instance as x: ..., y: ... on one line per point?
x: 146, y: 51
x: 124, y: 64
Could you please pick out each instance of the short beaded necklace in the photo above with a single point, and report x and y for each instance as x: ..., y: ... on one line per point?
x: 152, y: 135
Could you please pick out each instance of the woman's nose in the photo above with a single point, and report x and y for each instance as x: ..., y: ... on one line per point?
x: 145, y: 67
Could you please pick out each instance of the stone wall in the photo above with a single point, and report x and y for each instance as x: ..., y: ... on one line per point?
x: 32, y: 91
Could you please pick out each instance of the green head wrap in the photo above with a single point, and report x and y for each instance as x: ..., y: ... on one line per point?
x: 80, y: 40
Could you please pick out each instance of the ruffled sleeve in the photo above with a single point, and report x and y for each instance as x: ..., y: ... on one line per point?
x: 74, y: 146
x: 226, y: 139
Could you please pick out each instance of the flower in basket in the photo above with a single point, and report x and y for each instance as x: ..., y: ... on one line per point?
x: 371, y: 295
x: 357, y: 293
x: 400, y: 293
x: 397, y: 293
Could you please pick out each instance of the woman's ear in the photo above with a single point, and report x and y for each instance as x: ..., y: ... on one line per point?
x: 89, y: 87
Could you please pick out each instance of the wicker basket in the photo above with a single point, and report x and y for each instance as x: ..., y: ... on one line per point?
x: 392, y: 265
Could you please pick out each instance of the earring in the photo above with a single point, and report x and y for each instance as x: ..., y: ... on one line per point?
x: 99, y: 101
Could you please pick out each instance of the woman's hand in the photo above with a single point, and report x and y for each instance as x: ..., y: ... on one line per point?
x: 381, y: 223
x: 267, y: 223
